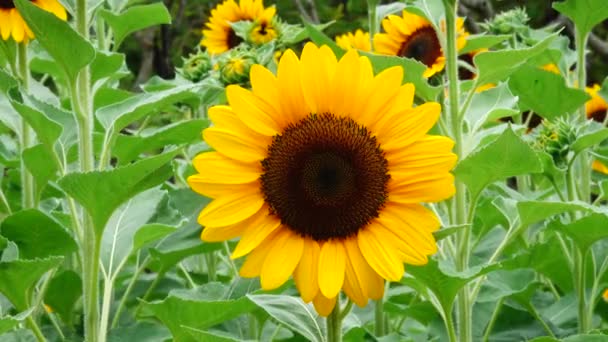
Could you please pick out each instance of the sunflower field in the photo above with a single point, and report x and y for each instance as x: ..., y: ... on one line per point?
x: 306, y: 170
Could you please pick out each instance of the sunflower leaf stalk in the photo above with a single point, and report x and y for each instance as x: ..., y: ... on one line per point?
x: 372, y: 14
x: 27, y: 180
x: 460, y: 205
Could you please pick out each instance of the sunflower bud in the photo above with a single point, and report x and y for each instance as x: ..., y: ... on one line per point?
x: 514, y: 21
x: 605, y: 295
x: 234, y: 67
x: 196, y: 66
x: 556, y: 138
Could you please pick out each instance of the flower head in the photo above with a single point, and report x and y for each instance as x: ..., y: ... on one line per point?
x: 13, y: 25
x: 321, y: 171
x: 596, y: 107
x: 219, y: 37
x: 412, y: 36
x: 197, y: 66
x: 234, y: 68
x: 359, y: 40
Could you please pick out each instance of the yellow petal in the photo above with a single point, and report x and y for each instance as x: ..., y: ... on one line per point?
x: 324, y: 305
x: 260, y: 228
x: 215, y: 190
x: 5, y: 29
x: 306, y: 273
x: 253, y: 111
x: 435, y: 188
x: 371, y: 283
x: 233, y: 145
x: 283, y: 257
x: 352, y: 287
x: 331, y: 268
x: 252, y: 267
x: 347, y: 76
x: 411, y: 126
x: 381, y: 94
x: 231, y: 208
x: 213, y: 167
x: 265, y: 86
x: 218, y: 234
x: 381, y: 259
x: 293, y: 105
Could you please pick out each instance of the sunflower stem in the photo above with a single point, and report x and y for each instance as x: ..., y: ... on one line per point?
x: 449, y: 326
x: 581, y: 39
x: 334, y: 324
x: 27, y: 180
x: 380, y: 322
x: 31, y: 323
x: 372, y: 8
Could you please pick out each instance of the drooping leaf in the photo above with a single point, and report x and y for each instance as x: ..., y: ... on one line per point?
x: 63, y: 293
x: 494, y: 66
x: 74, y: 52
x: 585, y: 231
x: 107, y: 64
x: 584, y: 13
x: 535, y: 211
x: 39, y: 163
x: 37, y: 235
x: 505, y: 157
x: 293, y: 313
x: 534, y: 86
x: 134, y: 19
x: 18, y: 277
x: 491, y: 104
x: 115, y: 186
x: 591, y: 134
x: 482, y: 41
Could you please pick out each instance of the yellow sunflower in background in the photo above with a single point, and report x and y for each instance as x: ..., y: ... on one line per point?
x: 322, y: 175
x: 597, y: 107
x: 218, y: 35
x: 13, y: 25
x: 359, y: 40
x: 605, y: 295
x: 412, y: 36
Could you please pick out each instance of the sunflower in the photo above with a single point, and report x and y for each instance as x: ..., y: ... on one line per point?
x: 13, y: 25
x: 412, y: 36
x: 597, y: 107
x: 263, y: 32
x: 219, y: 37
x: 605, y: 295
x: 321, y: 171
x: 359, y: 40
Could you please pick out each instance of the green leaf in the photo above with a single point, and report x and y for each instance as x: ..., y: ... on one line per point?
x: 494, y: 66
x: 585, y: 14
x: 482, y: 41
x: 448, y: 231
x: 37, y: 235
x: 200, y: 308
x: 142, y: 331
x: 201, y: 335
x: 71, y: 51
x: 8, y: 116
x: 18, y: 278
x: 106, y: 64
x: 47, y: 130
x: 491, y: 104
x: 134, y: 19
x: 585, y: 231
x: 115, y: 186
x: 150, y: 233
x: 6, y: 81
x: 412, y: 73
x: 119, y: 115
x: 36, y: 160
x: 293, y: 313
x: 534, y: 86
x: 9, y: 322
x: 586, y: 338
x: 320, y: 38
x: 536, y: 211
x: 129, y: 147
x: 63, y: 293
x: 507, y: 156
x: 118, y: 237
x: 502, y: 284
x: 591, y: 134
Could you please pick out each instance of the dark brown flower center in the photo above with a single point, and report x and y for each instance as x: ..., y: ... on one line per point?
x: 464, y: 73
x: 423, y: 45
x: 7, y: 4
x: 233, y: 39
x: 598, y: 115
x: 325, y: 177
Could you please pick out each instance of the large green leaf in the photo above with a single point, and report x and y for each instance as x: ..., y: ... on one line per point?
x: 149, y: 233
x: 584, y: 13
x: 37, y: 235
x: 118, y: 237
x: 18, y: 278
x: 293, y: 313
x: 6, y: 81
x: 40, y: 164
x: 201, y: 335
x: 107, y: 64
x: 591, y: 134
x: 71, y: 51
x: 491, y: 104
x: 494, y: 66
x: 47, y: 130
x: 9, y: 322
x: 536, y: 211
x: 482, y: 41
x: 585, y: 231
x: 143, y: 331
x: 62, y: 294
x: 505, y: 157
x: 115, y: 186
x: 121, y: 114
x: 534, y: 86
x: 200, y: 308
x: 134, y: 19
x: 129, y: 147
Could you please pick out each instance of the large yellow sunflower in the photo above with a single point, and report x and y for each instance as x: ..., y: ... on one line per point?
x: 359, y: 40
x: 597, y: 107
x: 219, y: 37
x: 13, y: 25
x: 412, y: 36
x: 320, y: 170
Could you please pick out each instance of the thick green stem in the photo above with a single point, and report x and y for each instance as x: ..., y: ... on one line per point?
x: 27, y: 180
x: 372, y: 18
x: 380, y: 321
x: 31, y: 323
x: 334, y: 324
x: 449, y: 326
x: 579, y: 274
x: 581, y: 68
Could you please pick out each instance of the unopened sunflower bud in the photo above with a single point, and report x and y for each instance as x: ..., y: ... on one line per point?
x: 234, y: 67
x: 197, y: 66
x: 514, y: 21
x: 605, y: 295
x: 556, y: 138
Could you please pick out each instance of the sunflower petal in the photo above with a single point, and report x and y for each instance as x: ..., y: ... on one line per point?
x: 232, y: 208
x: 324, y: 305
x: 260, y: 228
x: 283, y: 257
x: 331, y: 268
x: 306, y: 273
x: 379, y: 256
x: 253, y: 111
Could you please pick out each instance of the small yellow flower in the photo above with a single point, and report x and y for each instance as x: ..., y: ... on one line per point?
x: 597, y: 107
x: 359, y: 40
x: 263, y: 32
x: 412, y: 36
x: 13, y: 25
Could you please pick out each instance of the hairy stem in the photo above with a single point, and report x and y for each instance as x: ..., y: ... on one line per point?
x: 334, y: 325
x: 28, y: 199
